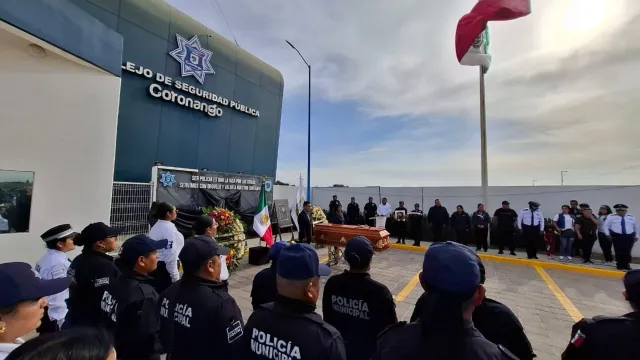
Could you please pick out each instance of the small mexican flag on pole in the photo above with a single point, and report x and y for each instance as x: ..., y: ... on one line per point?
x: 261, y: 221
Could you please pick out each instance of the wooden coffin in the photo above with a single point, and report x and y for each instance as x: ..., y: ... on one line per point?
x: 339, y: 235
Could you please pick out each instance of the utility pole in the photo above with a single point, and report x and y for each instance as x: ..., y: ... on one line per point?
x: 533, y: 182
x: 562, y: 172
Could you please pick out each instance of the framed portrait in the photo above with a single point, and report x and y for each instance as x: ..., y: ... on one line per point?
x: 399, y: 215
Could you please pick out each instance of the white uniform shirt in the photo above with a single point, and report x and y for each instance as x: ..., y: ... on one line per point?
x: 384, y: 209
x: 54, y: 265
x: 6, y: 348
x: 614, y: 224
x: 569, y: 221
x: 4, y: 224
x: 167, y: 230
x: 525, y: 218
x: 602, y: 219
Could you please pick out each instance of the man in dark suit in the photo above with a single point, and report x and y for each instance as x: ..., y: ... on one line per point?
x: 305, y: 221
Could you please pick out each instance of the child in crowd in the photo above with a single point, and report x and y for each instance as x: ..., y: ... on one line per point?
x: 550, y: 237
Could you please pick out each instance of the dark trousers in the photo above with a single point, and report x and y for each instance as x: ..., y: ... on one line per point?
x: 622, y: 244
x: 530, y: 235
x: 461, y: 236
x: 481, y: 235
x: 587, y: 245
x: 437, y: 232
x: 577, y: 249
x: 401, y: 229
x: 161, y: 277
x: 605, y: 245
x: 371, y: 222
x: 506, y: 238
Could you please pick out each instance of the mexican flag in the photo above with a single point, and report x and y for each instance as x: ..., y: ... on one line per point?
x: 472, y: 35
x: 261, y: 221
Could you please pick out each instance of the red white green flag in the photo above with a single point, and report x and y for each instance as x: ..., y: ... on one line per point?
x: 261, y: 221
x: 472, y: 35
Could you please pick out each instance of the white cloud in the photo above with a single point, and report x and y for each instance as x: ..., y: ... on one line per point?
x: 562, y: 92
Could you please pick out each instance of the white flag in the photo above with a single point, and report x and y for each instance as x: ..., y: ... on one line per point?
x: 297, y: 206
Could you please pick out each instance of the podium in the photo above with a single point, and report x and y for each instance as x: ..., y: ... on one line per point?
x: 381, y: 221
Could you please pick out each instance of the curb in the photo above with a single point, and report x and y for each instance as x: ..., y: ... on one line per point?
x: 527, y: 262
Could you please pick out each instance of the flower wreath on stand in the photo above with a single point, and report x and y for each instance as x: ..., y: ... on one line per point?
x: 230, y: 234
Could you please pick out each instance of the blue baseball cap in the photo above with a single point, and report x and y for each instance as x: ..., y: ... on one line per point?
x: 19, y: 282
x: 141, y: 245
x: 276, y: 248
x: 300, y: 262
x: 451, y: 268
x: 632, y: 285
x: 359, y: 250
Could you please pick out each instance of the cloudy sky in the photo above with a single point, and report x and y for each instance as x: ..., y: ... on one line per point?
x: 391, y: 106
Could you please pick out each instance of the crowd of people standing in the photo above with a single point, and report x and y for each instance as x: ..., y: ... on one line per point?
x: 572, y: 232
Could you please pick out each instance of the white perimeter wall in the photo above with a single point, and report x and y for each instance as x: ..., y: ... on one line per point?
x: 58, y: 118
x: 551, y: 198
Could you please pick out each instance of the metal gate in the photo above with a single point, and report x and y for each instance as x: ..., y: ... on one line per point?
x: 130, y: 203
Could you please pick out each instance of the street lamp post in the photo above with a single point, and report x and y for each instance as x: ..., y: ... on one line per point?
x: 308, y: 125
x: 562, y: 177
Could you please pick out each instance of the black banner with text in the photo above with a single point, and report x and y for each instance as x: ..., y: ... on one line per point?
x: 189, y: 192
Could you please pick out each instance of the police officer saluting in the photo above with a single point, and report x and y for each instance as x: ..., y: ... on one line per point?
x: 451, y: 279
x: 55, y: 265
x: 290, y: 328
x: 198, y: 316
x: 358, y: 306
x: 605, y: 337
x: 531, y: 223
x: 264, y: 288
x: 130, y: 304
x: 91, y: 272
x: 623, y: 231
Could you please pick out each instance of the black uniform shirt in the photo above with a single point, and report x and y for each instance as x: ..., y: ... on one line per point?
x: 587, y: 226
x: 438, y: 216
x: 497, y: 323
x: 290, y: 329
x: 370, y: 210
x: 264, y: 288
x: 353, y: 211
x: 91, y: 272
x: 605, y: 337
x: 405, y: 342
x: 506, y: 219
x: 199, y: 318
x: 360, y: 308
x: 130, y: 307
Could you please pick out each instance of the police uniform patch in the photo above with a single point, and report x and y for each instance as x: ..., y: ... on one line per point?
x: 578, y: 339
x: 101, y: 282
x: 234, y: 331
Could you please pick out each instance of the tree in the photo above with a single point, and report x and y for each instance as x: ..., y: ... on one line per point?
x: 278, y: 182
x: 339, y: 185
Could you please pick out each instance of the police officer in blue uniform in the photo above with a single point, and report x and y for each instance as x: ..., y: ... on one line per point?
x: 198, y: 317
x: 130, y: 304
x: 290, y: 328
x: 495, y: 321
x: 606, y: 337
x: 623, y: 230
x: 263, y: 290
x: 451, y: 279
x: 358, y: 306
x: 91, y: 272
x: 531, y: 223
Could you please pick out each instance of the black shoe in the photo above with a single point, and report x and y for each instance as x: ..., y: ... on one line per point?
x: 485, y: 250
x: 414, y: 244
x: 513, y: 253
x: 398, y: 242
x: 535, y: 257
x: 500, y: 252
x: 529, y: 257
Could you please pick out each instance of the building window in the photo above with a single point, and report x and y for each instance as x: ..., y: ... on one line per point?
x: 16, y: 188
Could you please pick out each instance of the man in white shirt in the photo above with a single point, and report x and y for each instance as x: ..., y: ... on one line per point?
x: 623, y: 230
x: 385, y: 208
x: 531, y: 224
x: 564, y: 223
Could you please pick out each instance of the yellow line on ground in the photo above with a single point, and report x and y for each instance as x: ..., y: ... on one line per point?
x: 407, y: 289
x: 564, y: 300
x: 517, y: 261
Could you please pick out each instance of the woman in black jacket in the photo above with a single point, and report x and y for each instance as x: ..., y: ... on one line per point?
x: 461, y: 224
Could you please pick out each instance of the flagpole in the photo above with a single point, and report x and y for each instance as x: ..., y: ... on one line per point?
x: 483, y: 141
